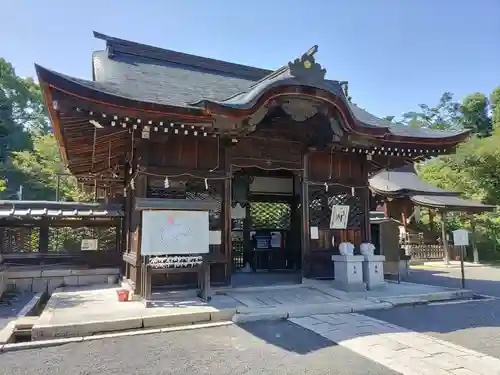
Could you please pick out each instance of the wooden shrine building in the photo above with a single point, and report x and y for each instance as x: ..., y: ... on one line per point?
x: 404, y: 194
x: 273, y: 149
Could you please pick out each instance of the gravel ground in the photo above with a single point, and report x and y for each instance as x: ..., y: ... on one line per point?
x: 253, y: 348
x: 474, y: 325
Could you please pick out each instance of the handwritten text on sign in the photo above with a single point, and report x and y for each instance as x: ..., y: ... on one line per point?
x: 339, y: 217
x: 168, y: 232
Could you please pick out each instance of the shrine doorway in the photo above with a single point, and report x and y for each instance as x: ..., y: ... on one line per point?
x: 265, y: 228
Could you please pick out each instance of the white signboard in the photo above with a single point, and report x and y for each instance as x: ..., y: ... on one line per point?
x: 89, y: 244
x: 169, y: 232
x: 314, y: 233
x: 461, y: 237
x: 275, y: 240
x: 340, y: 215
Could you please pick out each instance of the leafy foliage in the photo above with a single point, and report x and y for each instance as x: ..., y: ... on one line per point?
x: 474, y: 170
x: 28, y: 151
x: 440, y: 117
x: 44, y: 171
x: 495, y: 107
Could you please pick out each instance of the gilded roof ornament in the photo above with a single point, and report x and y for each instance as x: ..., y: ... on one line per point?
x: 306, y: 66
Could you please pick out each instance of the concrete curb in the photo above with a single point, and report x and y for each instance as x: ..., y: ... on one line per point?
x: 45, y: 331
x: 7, y: 332
x: 427, y: 298
x: 246, y: 314
x: 56, y: 342
x: 31, y: 305
x: 285, y: 312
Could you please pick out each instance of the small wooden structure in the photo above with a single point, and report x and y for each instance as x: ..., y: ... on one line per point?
x: 403, y: 194
x: 274, y: 149
x: 46, y: 232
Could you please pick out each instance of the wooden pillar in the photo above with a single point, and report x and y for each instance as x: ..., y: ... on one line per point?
x: 473, y: 239
x: 43, y: 239
x: 444, y: 238
x: 366, y: 232
x: 305, y: 232
x: 227, y: 223
x: 431, y: 220
x: 141, y: 154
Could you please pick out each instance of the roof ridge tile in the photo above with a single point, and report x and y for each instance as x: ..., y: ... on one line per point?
x: 158, y: 53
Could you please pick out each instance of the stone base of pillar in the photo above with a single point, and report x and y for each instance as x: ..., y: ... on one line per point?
x: 373, y: 271
x: 348, y: 273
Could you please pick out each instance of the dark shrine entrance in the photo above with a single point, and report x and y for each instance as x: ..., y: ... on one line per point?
x: 265, y: 229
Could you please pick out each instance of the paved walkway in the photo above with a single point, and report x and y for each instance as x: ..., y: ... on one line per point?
x: 81, y: 311
x: 397, y: 348
x: 313, y: 292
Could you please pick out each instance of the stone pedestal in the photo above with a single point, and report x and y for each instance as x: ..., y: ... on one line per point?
x: 373, y: 271
x: 348, y: 273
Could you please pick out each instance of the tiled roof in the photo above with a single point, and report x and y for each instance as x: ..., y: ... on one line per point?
x: 451, y: 203
x: 403, y: 181
x: 153, y: 75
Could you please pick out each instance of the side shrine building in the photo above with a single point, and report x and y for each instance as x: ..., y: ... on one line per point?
x: 269, y: 152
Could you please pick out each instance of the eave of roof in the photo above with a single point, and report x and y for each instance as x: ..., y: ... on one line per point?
x: 403, y: 181
x: 146, y: 78
x: 451, y: 203
x: 34, y: 209
x: 110, y: 94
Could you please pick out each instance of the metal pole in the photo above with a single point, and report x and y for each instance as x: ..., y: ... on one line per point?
x: 399, y: 265
x: 462, y: 270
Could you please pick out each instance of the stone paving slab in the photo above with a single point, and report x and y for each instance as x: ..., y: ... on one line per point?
x: 76, y: 312
x: 73, y: 311
x: 292, y: 296
x: 397, y: 348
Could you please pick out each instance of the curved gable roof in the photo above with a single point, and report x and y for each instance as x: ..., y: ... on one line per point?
x: 153, y: 75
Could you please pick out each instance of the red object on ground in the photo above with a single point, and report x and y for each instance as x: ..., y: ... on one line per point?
x: 123, y: 295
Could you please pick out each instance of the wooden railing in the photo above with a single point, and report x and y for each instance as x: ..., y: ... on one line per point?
x: 426, y: 252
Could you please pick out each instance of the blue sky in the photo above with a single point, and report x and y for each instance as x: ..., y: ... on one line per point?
x: 394, y: 53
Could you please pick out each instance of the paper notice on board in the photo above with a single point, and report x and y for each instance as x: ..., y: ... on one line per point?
x: 214, y: 237
x: 314, y: 233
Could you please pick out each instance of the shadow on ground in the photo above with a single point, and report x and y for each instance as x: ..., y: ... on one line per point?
x: 287, y: 336
x: 480, y: 280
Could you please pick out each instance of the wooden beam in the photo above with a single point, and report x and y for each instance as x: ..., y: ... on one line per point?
x: 444, y: 238
x: 305, y: 232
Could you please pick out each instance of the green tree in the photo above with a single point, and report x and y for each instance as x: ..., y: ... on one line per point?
x: 41, y: 167
x: 442, y: 116
x: 495, y: 107
x: 474, y: 114
x: 473, y: 171
x: 22, y: 114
